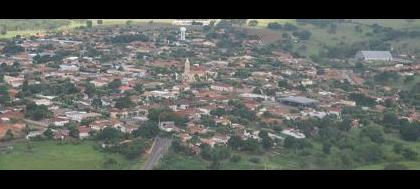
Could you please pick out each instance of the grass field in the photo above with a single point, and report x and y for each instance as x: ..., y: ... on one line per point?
x: 393, y: 23
x: 264, y: 22
x: 77, y: 23
x: 51, y: 155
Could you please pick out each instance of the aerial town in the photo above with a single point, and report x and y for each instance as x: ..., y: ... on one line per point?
x: 209, y: 94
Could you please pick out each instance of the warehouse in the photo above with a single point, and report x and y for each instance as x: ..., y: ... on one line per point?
x: 299, y: 101
x: 374, y: 55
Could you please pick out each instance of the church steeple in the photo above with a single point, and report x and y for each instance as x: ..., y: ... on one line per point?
x: 187, y: 74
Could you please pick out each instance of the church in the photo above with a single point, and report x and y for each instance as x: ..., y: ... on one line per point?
x: 191, y: 75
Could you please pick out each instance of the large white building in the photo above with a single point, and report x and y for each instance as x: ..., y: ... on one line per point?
x: 374, y: 55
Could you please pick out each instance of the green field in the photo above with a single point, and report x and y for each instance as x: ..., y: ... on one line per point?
x: 393, y: 23
x: 264, y: 22
x: 28, y: 28
x: 51, y: 155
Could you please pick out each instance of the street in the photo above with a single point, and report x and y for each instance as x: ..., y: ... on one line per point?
x: 159, y: 148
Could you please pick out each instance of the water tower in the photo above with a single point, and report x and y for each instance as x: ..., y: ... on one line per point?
x: 183, y: 30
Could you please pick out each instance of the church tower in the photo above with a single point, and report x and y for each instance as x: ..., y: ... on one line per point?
x: 187, y: 74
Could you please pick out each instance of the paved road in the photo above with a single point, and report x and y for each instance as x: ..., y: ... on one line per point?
x: 37, y: 123
x: 160, y: 147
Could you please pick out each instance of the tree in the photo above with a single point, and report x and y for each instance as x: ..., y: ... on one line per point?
x: 37, y: 112
x: 218, y: 112
x: 74, y: 132
x: 124, y: 102
x: 115, y: 84
x: 90, y: 90
x: 147, y: 130
x: 235, y: 158
x: 48, y: 133
x: 409, y: 154
x: 129, y: 22
x: 96, y: 103
x: 109, y: 133
x: 89, y: 24
x: 207, y: 121
x: 390, y: 119
x: 267, y: 142
x: 253, y: 23
x: 235, y: 142
x: 4, y: 95
x: 242, y: 73
x: 409, y: 133
x: 303, y: 35
x: 99, y: 22
x: 251, y: 145
x: 282, y: 83
x: 326, y: 147
x: 139, y: 87
x: 374, y: 133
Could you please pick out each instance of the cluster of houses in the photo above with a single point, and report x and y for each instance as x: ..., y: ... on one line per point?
x: 178, y: 86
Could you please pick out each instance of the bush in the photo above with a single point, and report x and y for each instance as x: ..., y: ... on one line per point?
x: 395, y: 166
x: 235, y: 158
x: 255, y: 160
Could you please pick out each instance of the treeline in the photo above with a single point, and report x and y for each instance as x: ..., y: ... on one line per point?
x: 58, y: 88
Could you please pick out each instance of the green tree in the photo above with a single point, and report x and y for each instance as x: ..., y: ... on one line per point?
x: 4, y: 95
x: 218, y: 112
x: 37, y: 112
x: 109, y: 134
x: 124, y: 102
x: 115, y: 84
x: 48, y: 133
x: 235, y: 142
x: 409, y: 154
x: 99, y: 22
x: 374, y: 133
x: 267, y: 142
x: 96, y: 103
x: 253, y: 23
x: 147, y: 130
x: 326, y: 147
x: 89, y: 24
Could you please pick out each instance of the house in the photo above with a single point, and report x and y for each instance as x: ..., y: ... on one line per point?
x: 79, y: 115
x: 299, y: 101
x: 14, y: 81
x: 84, y: 132
x: 168, y: 126
x: 58, y: 121
x: 68, y: 68
x: 45, y: 102
x: 34, y: 134
x: 221, y: 139
x: 60, y: 134
x: 293, y: 133
x: 374, y: 55
x: 221, y: 87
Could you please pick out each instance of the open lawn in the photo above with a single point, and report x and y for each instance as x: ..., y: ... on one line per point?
x: 175, y: 161
x: 54, y: 155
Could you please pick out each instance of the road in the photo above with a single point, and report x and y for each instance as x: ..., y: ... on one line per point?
x: 159, y: 148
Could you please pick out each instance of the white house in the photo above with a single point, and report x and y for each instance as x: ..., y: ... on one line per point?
x: 221, y: 87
